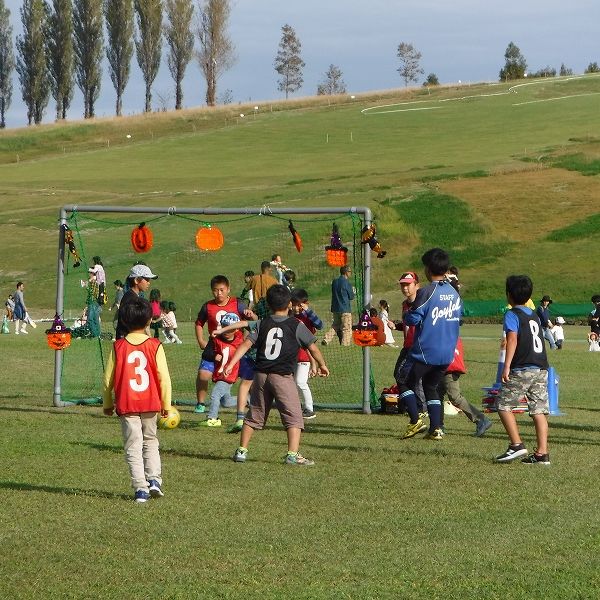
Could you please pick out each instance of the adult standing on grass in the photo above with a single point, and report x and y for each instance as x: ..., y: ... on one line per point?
x: 138, y: 281
x: 259, y: 286
x: 543, y: 313
x: 20, y: 310
x: 342, y: 295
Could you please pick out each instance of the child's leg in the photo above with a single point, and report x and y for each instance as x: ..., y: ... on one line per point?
x: 205, y: 372
x: 510, y: 424
x: 302, y: 371
x: 261, y: 399
x: 175, y: 337
x: 456, y: 397
x: 133, y: 439
x: 167, y: 334
x: 288, y: 403
x: 219, y: 389
x: 431, y: 379
x: 152, y: 466
x: 541, y: 433
x: 293, y: 437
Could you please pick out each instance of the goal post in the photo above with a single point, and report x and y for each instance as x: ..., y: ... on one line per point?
x: 361, y: 253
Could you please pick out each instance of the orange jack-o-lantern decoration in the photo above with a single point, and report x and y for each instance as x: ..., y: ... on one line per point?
x: 336, y: 253
x: 365, y: 333
x: 142, y: 239
x: 58, y: 336
x: 210, y: 238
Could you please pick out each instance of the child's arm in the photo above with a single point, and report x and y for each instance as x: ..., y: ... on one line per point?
x: 252, y: 316
x: 165, y: 381
x: 312, y: 316
x: 108, y: 384
x: 511, y: 346
x: 314, y: 351
x: 314, y: 367
x: 228, y: 328
x: 235, y: 359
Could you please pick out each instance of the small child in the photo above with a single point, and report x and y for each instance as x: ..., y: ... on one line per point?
x: 169, y: 322
x: 525, y: 373
x: 156, y: 322
x: 593, y: 342
x: 137, y: 371
x: 558, y: 333
x: 277, y: 339
x: 225, y: 345
x: 380, y: 326
x: 384, y: 315
x: 306, y: 366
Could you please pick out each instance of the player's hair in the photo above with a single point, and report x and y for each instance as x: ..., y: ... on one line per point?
x: 436, y: 260
x: 274, y: 256
x: 164, y: 305
x: 519, y: 288
x: 373, y: 312
x: 265, y: 265
x: 154, y: 294
x: 97, y: 260
x: 136, y: 314
x: 278, y: 297
x: 344, y: 270
x: 453, y: 269
x: 218, y: 280
x: 596, y: 298
x: 19, y: 283
x: 289, y: 276
x: 118, y: 283
x: 384, y: 304
x: 172, y: 306
x: 299, y: 296
x: 249, y: 274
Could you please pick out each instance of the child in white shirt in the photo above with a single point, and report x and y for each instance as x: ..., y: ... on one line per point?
x: 557, y: 332
x: 594, y: 343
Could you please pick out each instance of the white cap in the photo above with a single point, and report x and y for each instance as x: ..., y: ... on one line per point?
x: 142, y: 271
x: 560, y: 320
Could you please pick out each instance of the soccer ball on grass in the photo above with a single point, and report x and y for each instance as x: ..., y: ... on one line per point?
x: 171, y: 420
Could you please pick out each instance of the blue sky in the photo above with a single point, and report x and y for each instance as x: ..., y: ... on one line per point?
x: 459, y: 40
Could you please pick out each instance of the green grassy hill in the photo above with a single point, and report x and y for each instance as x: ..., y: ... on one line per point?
x: 504, y: 177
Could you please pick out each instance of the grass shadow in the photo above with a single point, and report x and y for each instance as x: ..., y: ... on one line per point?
x: 30, y: 487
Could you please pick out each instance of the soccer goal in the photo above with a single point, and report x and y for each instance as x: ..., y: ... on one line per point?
x: 175, y: 247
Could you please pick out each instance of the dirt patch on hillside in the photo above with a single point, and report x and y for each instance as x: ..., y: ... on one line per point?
x: 529, y: 204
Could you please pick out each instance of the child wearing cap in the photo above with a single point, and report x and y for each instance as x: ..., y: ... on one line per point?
x: 593, y: 342
x: 138, y: 281
x: 558, y: 333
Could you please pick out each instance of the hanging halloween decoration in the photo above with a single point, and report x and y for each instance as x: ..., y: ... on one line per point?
x: 58, y: 336
x: 368, y: 237
x: 365, y: 333
x: 336, y: 254
x: 295, y: 236
x: 71, y: 244
x: 209, y: 238
x: 142, y: 239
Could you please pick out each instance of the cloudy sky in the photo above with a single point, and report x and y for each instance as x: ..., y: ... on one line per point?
x: 459, y: 40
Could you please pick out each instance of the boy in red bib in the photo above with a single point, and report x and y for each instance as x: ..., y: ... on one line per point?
x: 225, y: 346
x: 137, y: 372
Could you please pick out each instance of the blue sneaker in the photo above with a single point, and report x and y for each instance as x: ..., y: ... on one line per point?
x: 482, y: 426
x: 200, y: 408
x: 154, y: 488
x: 240, y: 455
x: 141, y: 496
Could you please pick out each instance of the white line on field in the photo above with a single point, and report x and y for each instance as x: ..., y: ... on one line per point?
x: 383, y: 112
x: 557, y: 98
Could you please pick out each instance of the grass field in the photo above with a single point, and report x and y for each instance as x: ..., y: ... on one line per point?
x: 376, y: 517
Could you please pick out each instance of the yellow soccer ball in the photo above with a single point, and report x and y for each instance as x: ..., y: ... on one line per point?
x: 171, y: 420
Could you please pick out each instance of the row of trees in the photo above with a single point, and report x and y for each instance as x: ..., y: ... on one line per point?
x: 63, y: 41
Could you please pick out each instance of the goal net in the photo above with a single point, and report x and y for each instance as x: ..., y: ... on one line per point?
x: 250, y: 236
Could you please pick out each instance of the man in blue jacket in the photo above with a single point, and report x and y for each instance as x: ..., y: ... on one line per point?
x: 342, y: 295
x: 435, y: 313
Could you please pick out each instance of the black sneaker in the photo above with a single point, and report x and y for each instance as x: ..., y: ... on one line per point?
x: 308, y: 414
x: 537, y: 459
x: 512, y: 453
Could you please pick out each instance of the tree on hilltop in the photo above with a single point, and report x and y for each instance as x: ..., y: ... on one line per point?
x: 148, y: 43
x: 88, y: 41
x: 410, y: 63
x: 118, y: 15
x: 564, y: 70
x: 333, y: 82
x: 59, y: 51
x: 288, y: 62
x: 7, y: 62
x: 432, y: 79
x: 592, y: 68
x: 180, y: 40
x: 515, y: 65
x: 31, y: 60
x: 217, y: 52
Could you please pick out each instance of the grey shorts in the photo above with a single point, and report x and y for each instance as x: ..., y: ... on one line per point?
x: 269, y: 387
x: 531, y: 384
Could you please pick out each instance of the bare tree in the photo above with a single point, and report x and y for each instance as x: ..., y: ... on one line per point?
x: 217, y: 52
x: 148, y: 43
x: 180, y: 40
x: 410, y: 63
x: 31, y: 60
x: 7, y: 62
x: 59, y: 48
x: 333, y: 82
x: 89, y: 39
x: 119, y: 49
x: 288, y: 62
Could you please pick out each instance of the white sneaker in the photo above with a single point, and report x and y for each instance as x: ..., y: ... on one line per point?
x: 179, y: 342
x: 24, y: 331
x: 16, y: 332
